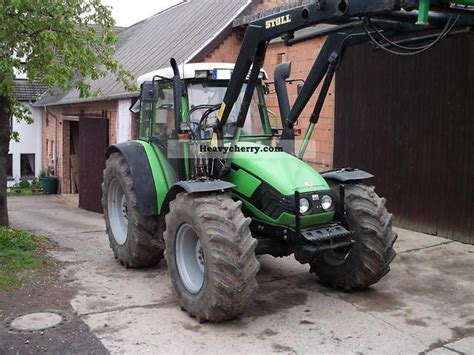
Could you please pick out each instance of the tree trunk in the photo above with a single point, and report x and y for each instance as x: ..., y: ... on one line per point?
x: 4, y: 147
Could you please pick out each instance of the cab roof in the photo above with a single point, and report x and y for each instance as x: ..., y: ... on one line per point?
x: 188, y: 71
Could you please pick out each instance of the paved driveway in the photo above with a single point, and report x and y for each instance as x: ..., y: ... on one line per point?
x: 425, y: 304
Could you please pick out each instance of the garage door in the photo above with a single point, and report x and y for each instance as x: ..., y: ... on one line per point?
x: 93, y: 141
x: 410, y: 121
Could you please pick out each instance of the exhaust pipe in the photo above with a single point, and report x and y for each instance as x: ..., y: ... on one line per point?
x: 282, y: 72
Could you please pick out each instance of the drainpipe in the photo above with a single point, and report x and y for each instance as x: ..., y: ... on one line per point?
x: 55, y: 141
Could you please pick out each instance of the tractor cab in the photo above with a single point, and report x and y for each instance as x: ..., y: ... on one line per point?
x: 203, y: 86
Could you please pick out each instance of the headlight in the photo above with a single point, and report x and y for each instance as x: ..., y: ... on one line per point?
x: 326, y: 202
x: 304, y: 205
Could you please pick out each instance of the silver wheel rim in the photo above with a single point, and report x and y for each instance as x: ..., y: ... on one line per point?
x: 118, y: 211
x: 190, y: 258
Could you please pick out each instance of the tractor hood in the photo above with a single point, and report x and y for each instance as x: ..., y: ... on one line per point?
x: 282, y: 171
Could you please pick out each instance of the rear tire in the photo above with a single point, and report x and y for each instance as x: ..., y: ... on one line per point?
x: 369, y: 259
x: 136, y: 240
x: 211, y: 256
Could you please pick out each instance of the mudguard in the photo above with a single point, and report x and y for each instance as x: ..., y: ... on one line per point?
x: 142, y: 176
x: 347, y: 175
x: 197, y: 186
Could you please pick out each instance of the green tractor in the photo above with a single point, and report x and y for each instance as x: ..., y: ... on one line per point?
x: 210, y: 183
x: 210, y: 231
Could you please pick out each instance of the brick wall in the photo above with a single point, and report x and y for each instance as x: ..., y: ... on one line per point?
x: 302, y: 55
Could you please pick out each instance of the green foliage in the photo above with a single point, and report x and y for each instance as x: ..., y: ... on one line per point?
x: 60, y: 43
x: 17, y: 257
x: 24, y: 184
x: 35, y: 183
x: 16, y: 239
x: 17, y: 191
x: 42, y: 174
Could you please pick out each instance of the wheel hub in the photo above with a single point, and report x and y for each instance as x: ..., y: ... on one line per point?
x: 124, y: 208
x: 200, y: 255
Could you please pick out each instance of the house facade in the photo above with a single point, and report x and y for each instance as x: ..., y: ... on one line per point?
x: 24, y: 156
x: 140, y: 52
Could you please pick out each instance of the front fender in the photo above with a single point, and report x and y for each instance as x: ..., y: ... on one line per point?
x: 346, y: 175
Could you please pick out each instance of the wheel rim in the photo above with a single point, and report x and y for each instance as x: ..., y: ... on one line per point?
x: 118, y: 211
x: 190, y: 258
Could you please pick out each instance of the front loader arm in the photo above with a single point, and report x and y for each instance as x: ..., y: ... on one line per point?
x: 285, y: 22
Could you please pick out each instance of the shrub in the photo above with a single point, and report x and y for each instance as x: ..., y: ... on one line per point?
x: 24, y: 184
x: 35, y: 183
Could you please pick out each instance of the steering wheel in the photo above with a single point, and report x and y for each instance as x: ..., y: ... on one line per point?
x: 165, y: 106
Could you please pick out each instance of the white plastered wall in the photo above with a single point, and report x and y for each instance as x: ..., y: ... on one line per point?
x: 124, y: 121
x: 30, y: 143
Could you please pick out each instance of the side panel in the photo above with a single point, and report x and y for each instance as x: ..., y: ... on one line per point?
x: 148, y: 174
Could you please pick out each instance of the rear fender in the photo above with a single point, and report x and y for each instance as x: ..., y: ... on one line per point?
x: 149, y: 180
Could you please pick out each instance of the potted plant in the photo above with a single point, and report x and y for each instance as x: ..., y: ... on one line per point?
x: 35, y: 186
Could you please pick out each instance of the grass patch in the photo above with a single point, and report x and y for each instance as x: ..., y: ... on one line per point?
x: 23, y: 191
x: 19, y: 257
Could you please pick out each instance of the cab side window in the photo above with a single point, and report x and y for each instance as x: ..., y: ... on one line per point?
x: 146, y: 117
x: 164, y: 123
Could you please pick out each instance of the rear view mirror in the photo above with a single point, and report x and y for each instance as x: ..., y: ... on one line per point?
x: 299, y: 88
x: 149, y: 91
x: 161, y: 93
x: 266, y: 90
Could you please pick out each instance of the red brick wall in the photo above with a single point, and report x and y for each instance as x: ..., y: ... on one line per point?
x: 302, y: 55
x: 226, y: 51
x: 112, y: 115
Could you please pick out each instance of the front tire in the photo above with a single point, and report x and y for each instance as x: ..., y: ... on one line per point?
x: 369, y: 258
x: 211, y: 256
x: 136, y: 240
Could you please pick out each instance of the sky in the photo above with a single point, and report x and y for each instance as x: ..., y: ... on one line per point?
x: 128, y: 12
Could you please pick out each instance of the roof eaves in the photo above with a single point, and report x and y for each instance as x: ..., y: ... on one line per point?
x: 89, y: 99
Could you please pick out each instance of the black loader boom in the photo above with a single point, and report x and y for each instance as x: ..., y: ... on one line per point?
x: 354, y: 22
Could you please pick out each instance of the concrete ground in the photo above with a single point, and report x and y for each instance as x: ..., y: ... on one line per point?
x: 424, y: 305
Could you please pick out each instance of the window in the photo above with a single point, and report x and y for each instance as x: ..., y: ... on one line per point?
x: 27, y: 165
x: 280, y: 58
x: 145, y: 118
x: 165, y: 109
x: 213, y: 93
x: 10, y: 166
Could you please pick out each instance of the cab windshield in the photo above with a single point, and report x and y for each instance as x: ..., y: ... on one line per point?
x: 203, y: 95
